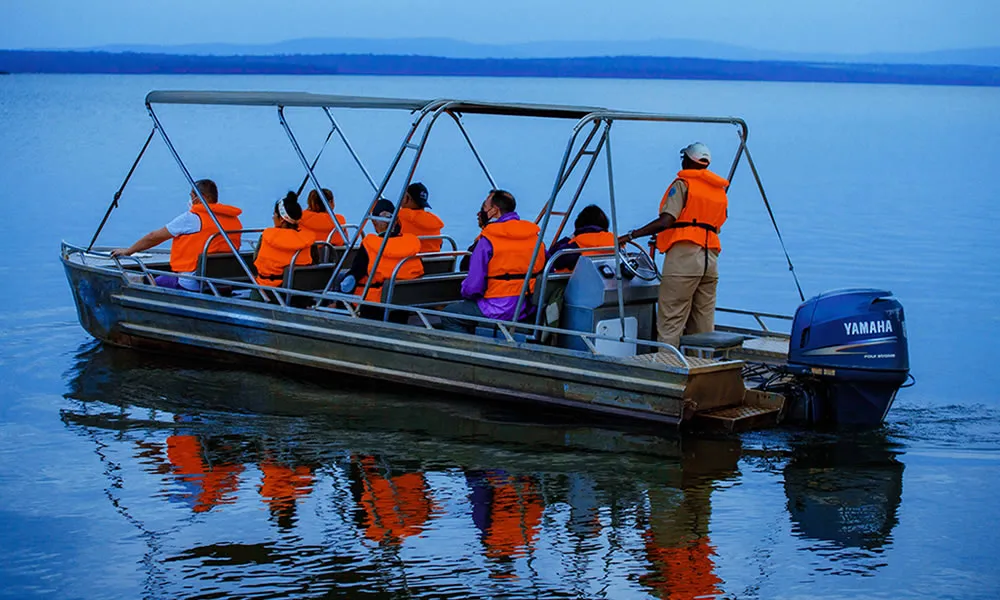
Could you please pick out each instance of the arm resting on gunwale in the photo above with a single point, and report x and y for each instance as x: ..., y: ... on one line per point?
x: 151, y: 239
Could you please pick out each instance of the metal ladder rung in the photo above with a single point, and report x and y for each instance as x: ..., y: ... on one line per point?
x: 411, y: 145
x: 558, y: 213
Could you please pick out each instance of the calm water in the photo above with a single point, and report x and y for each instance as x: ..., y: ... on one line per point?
x: 125, y: 474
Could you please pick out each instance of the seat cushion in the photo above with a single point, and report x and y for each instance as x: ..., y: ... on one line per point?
x: 713, y: 339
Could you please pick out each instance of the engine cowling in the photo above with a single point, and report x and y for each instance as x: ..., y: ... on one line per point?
x: 851, y: 345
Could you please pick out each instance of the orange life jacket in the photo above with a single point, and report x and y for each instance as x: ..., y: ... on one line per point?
x: 594, y: 239
x: 185, y: 249
x: 319, y: 225
x: 703, y: 213
x: 513, y: 242
x: 396, y: 249
x: 277, y: 246
x: 421, y: 222
x: 185, y: 455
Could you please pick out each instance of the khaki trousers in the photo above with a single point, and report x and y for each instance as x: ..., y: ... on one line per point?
x: 686, y: 305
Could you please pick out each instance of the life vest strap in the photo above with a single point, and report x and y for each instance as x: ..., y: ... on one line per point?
x: 271, y: 277
x: 510, y: 276
x: 694, y: 223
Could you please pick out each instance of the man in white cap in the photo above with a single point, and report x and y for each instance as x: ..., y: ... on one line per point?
x: 692, y: 211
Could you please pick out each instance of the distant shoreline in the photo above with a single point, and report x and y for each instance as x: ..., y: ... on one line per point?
x: 611, y: 67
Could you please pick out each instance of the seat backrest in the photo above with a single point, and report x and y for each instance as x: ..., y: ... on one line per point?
x: 224, y: 265
x: 323, y: 253
x: 309, y: 278
x: 425, y: 291
x: 553, y: 283
x: 438, y: 265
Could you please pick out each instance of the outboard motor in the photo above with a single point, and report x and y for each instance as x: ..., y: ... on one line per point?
x: 849, y: 348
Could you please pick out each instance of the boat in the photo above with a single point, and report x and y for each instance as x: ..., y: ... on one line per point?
x: 838, y: 361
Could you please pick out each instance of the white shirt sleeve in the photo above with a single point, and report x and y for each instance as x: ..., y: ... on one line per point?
x: 184, y: 223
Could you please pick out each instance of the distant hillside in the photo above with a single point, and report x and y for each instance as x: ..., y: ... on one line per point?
x: 448, y: 48
x: 631, y: 67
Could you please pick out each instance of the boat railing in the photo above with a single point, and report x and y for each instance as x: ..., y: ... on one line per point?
x: 759, y: 317
x: 347, y: 304
x: 443, y: 238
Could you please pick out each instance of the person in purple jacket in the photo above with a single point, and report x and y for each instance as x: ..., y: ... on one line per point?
x: 497, y: 267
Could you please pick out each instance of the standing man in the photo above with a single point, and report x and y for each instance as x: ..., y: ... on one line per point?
x: 416, y: 219
x: 687, y: 232
x: 189, y: 231
x: 500, y: 260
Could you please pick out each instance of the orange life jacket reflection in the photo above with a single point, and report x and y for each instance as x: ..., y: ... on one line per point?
x: 513, y: 242
x: 703, y: 214
x: 281, y: 485
x: 320, y: 225
x: 185, y: 249
x: 397, y: 248
x: 421, y: 222
x: 682, y: 573
x: 277, y: 246
x: 594, y: 239
x: 515, y: 513
x: 185, y: 454
x: 395, y: 507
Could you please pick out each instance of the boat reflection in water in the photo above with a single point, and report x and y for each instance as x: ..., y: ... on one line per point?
x: 362, y: 490
x: 845, y: 490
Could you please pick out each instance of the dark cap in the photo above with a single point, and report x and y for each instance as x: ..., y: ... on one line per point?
x: 382, y: 206
x: 418, y: 192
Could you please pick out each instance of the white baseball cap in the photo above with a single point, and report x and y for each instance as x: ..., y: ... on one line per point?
x: 698, y: 152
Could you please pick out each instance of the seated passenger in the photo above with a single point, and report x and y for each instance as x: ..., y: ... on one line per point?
x: 499, y: 263
x: 398, y: 247
x: 416, y: 219
x: 316, y: 219
x: 590, y: 231
x: 279, y: 244
x: 189, y: 231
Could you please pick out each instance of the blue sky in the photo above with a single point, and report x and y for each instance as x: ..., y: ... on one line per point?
x: 842, y: 26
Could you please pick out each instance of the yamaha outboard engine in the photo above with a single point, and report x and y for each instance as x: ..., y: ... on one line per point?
x: 848, y: 349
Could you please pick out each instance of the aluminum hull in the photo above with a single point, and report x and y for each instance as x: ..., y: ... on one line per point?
x: 143, y: 316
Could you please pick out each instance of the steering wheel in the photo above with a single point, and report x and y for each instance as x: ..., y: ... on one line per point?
x: 630, y: 263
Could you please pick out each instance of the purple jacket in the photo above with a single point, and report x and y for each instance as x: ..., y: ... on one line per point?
x: 474, y: 284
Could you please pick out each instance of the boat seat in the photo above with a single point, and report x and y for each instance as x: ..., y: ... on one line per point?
x: 308, y: 278
x: 224, y: 265
x: 711, y: 344
x: 425, y: 291
x: 438, y: 265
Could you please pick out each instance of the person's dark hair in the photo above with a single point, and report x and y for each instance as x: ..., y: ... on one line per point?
x: 503, y: 200
x: 314, y: 203
x: 292, y: 208
x: 592, y: 216
x: 687, y: 163
x: 208, y: 190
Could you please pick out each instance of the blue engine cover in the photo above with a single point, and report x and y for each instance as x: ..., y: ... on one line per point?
x: 850, y: 329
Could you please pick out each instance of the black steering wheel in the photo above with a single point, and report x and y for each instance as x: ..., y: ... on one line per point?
x: 633, y: 263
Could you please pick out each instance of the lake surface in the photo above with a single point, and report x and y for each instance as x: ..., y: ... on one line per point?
x: 124, y: 474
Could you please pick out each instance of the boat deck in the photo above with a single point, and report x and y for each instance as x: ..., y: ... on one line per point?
x: 770, y: 350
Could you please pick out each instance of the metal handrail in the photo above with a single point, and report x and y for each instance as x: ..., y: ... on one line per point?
x: 443, y: 238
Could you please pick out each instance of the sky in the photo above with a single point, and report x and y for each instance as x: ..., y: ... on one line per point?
x: 841, y: 26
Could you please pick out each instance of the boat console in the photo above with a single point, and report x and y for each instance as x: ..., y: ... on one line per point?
x: 591, y: 304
